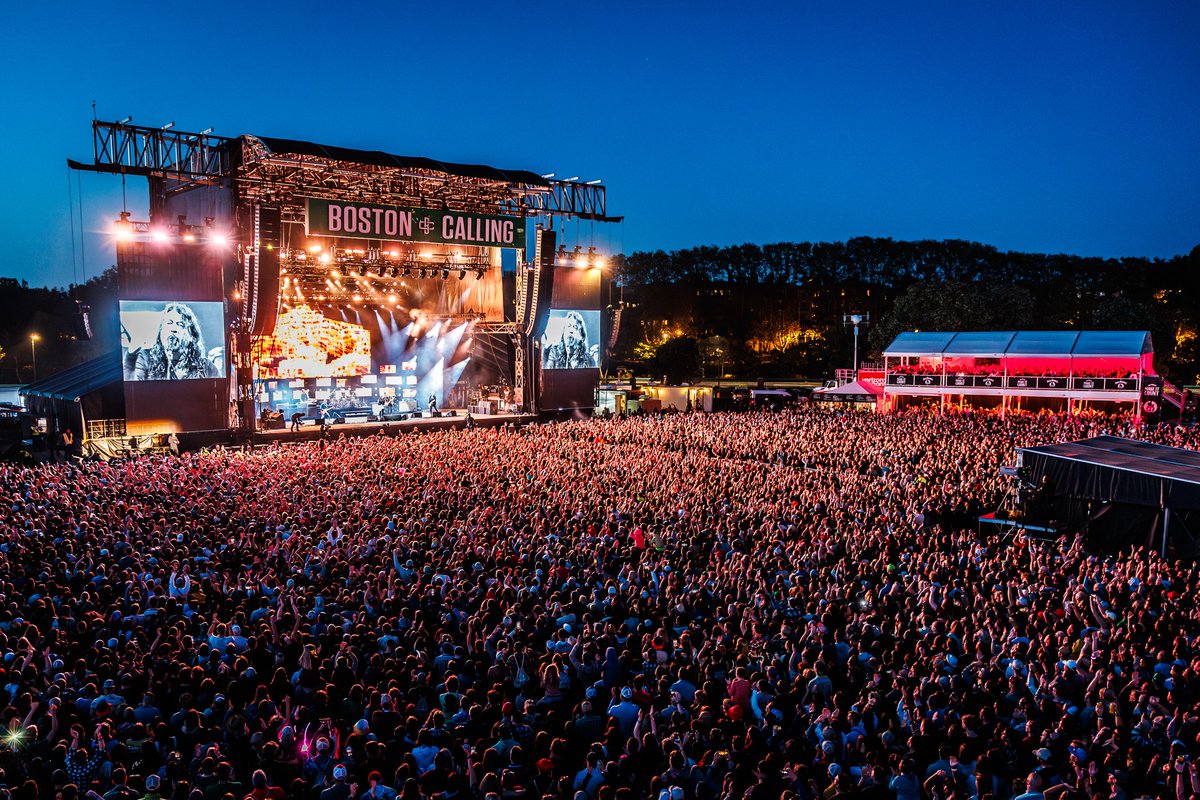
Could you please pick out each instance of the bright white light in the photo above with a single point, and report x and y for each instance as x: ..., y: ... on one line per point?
x: 219, y: 239
x: 159, y: 235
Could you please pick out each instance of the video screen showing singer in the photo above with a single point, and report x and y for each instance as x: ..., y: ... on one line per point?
x: 176, y: 350
x: 574, y: 348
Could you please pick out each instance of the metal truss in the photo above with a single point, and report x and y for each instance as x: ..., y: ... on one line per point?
x: 511, y: 328
x: 158, y: 153
x: 283, y: 180
x: 563, y: 199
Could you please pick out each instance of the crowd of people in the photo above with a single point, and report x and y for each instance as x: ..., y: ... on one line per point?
x: 683, y: 607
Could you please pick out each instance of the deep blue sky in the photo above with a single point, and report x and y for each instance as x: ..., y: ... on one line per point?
x: 1062, y: 127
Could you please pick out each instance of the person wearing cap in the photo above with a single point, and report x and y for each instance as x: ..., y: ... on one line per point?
x: 319, y: 766
x: 340, y: 790
x: 625, y: 711
x: 153, y: 784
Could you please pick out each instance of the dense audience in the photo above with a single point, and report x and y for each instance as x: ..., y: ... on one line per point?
x: 683, y: 607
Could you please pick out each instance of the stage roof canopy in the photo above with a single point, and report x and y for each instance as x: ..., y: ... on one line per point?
x: 74, y: 382
x: 1112, y: 469
x: 378, y: 158
x: 1044, y: 344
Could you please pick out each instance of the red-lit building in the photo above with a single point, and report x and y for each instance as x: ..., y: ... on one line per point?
x: 1028, y: 370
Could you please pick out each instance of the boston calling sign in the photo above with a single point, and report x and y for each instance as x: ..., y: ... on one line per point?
x: 400, y: 224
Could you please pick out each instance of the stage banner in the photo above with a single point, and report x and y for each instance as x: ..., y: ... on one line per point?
x: 400, y: 224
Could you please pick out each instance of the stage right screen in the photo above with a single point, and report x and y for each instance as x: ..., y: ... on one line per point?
x: 571, y: 340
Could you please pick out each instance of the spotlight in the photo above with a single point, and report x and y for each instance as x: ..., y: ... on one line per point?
x: 219, y: 239
x: 123, y: 228
x: 159, y: 235
x: 189, y: 237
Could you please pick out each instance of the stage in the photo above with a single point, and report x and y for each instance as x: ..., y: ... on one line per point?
x: 311, y: 430
x: 121, y: 446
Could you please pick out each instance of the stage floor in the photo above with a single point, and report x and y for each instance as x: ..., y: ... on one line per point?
x: 310, y: 431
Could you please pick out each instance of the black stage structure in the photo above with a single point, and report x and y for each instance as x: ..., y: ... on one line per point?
x: 1123, y: 492
x: 260, y: 226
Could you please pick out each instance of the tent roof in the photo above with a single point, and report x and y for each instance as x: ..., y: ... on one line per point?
x: 860, y: 388
x: 75, y: 382
x: 1043, y: 343
x: 1113, y: 343
x: 979, y: 343
x: 918, y: 343
x: 378, y: 158
x: 1122, y: 470
x: 995, y: 344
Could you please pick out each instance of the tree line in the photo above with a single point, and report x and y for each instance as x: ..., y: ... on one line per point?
x: 53, y: 315
x: 777, y: 310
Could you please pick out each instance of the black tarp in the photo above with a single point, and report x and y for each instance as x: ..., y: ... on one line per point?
x: 378, y: 158
x: 1124, y: 492
x: 1112, y: 469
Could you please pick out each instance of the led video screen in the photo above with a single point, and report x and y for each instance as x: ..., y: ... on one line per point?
x: 169, y: 341
x: 571, y: 340
x: 307, y: 344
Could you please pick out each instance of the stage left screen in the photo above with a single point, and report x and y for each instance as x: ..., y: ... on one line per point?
x: 169, y: 340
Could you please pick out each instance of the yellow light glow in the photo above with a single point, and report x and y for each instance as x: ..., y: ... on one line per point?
x: 316, y: 248
x: 324, y: 258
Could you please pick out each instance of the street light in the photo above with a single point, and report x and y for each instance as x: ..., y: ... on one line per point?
x: 855, y: 320
x: 33, y: 340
